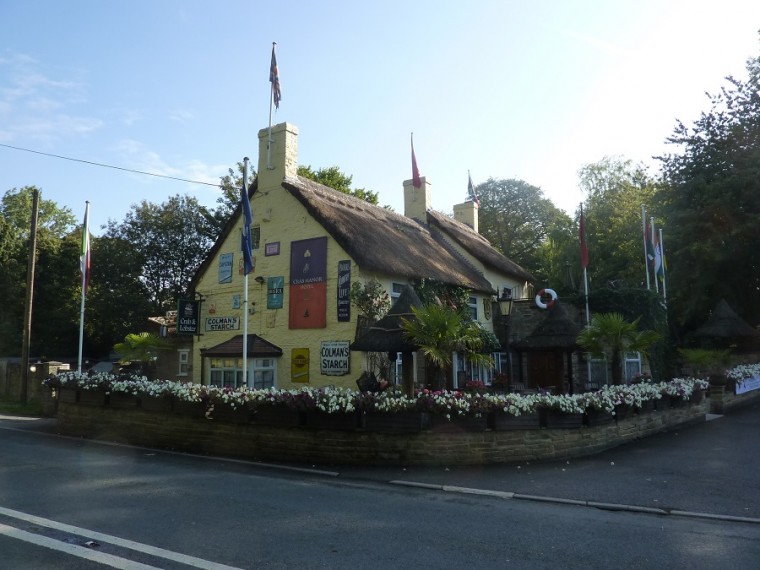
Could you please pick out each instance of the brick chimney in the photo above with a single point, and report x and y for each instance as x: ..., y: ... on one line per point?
x: 417, y: 201
x: 278, y: 156
x: 467, y: 213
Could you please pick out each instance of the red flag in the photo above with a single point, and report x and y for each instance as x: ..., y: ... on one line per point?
x: 582, y: 236
x: 416, y: 181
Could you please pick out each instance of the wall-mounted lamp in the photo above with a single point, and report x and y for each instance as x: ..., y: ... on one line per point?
x: 259, y: 279
x: 505, y: 301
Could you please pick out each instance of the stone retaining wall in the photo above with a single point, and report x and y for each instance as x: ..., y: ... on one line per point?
x: 723, y: 399
x: 451, y: 446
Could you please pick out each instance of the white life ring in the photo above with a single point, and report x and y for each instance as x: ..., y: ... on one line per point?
x: 540, y: 304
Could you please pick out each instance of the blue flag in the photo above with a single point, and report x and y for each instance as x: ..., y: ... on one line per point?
x: 246, y: 242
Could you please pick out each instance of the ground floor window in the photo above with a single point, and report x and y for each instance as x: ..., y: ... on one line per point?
x: 466, y: 371
x: 597, y: 372
x: 183, y: 354
x: 228, y: 372
x: 632, y: 365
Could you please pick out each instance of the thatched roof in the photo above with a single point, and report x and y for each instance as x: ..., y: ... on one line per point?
x: 383, y: 241
x: 257, y: 346
x: 386, y: 335
x: 386, y: 242
x: 476, y: 245
x: 556, y: 331
x: 724, y: 323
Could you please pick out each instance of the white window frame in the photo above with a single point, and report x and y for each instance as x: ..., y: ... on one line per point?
x: 183, y: 361
x: 472, y: 302
x: 232, y: 368
x: 632, y: 360
x: 596, y: 365
x: 259, y: 367
x: 396, y: 289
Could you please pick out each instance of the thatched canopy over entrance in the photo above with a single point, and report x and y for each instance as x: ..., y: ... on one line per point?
x: 556, y: 332
x: 386, y: 335
x: 725, y: 327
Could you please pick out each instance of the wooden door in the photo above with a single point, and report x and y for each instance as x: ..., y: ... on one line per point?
x: 546, y: 370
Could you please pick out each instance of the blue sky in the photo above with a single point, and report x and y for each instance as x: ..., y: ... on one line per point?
x: 505, y: 89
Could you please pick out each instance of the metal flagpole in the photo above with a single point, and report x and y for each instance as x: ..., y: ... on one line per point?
x: 84, y: 263
x: 656, y: 285
x: 273, y: 76
x: 646, y: 251
x: 664, y: 273
x: 245, y: 279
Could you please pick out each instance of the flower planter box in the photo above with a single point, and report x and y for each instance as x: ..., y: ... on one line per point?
x: 647, y: 406
x: 458, y: 424
x: 396, y: 422
x: 278, y: 416
x: 678, y: 402
x: 594, y: 418
x: 91, y: 398
x: 122, y: 401
x: 502, y: 421
x: 227, y: 414
x: 554, y: 419
x: 156, y: 403
x: 663, y: 403
x: 697, y: 396
x: 622, y: 411
x: 192, y: 409
x: 68, y: 395
x: 343, y: 422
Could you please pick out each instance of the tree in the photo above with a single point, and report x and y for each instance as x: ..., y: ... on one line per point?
x: 141, y: 349
x: 332, y: 176
x: 517, y: 219
x: 170, y: 241
x: 609, y: 334
x: 615, y: 190
x: 231, y: 185
x: 441, y: 330
x: 711, y: 205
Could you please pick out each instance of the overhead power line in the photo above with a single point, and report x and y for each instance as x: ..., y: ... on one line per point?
x: 110, y: 166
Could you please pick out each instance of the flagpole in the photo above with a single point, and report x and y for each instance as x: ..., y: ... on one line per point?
x: 664, y: 273
x: 84, y: 263
x: 646, y: 253
x: 271, y: 103
x: 656, y: 285
x: 245, y: 283
x: 584, y: 261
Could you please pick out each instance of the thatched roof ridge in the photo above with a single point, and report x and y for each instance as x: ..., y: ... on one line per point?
x: 477, y: 245
x: 724, y: 323
x: 386, y: 335
x: 557, y: 330
x: 384, y: 241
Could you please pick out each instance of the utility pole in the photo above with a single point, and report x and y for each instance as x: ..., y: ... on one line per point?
x: 29, y: 297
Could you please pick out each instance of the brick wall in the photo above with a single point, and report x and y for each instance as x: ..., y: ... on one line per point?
x: 300, y: 444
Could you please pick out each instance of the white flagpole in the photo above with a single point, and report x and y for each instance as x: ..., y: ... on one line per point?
x: 271, y: 102
x: 83, y: 263
x: 664, y: 272
x: 245, y: 287
x: 646, y: 253
x: 656, y: 285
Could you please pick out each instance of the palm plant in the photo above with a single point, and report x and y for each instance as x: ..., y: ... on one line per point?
x: 609, y: 334
x: 142, y: 348
x: 439, y: 331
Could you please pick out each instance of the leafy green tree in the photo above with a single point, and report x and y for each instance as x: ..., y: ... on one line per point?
x: 442, y: 330
x: 609, y: 334
x: 141, y: 349
x: 711, y: 206
x: 615, y: 190
x: 333, y: 177
x: 517, y: 219
x: 170, y: 241
x: 230, y: 185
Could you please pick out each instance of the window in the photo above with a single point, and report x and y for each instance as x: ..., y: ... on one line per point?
x: 263, y: 373
x: 255, y: 237
x: 396, y: 289
x: 472, y: 302
x: 632, y: 365
x: 183, y: 354
x: 228, y: 372
x: 597, y: 372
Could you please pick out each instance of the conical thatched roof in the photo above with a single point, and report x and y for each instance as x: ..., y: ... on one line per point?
x: 556, y: 331
x: 724, y: 323
x: 386, y: 335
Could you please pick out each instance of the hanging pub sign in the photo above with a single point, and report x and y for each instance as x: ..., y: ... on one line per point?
x: 344, y: 291
x: 188, y: 317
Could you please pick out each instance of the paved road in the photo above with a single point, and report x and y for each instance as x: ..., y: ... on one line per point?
x: 711, y: 468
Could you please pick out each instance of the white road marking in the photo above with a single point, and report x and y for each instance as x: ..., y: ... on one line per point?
x: 93, y: 535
